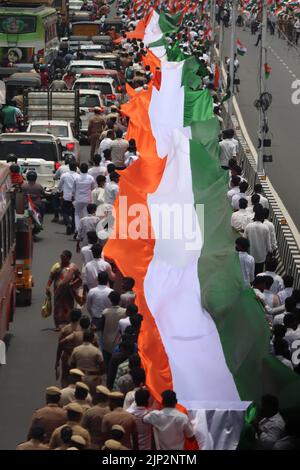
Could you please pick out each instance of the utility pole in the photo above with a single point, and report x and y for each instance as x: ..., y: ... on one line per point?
x: 213, y: 20
x: 221, y: 42
x: 232, y: 53
x: 262, y: 117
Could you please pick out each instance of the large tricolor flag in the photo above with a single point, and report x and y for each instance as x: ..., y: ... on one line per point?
x: 203, y: 333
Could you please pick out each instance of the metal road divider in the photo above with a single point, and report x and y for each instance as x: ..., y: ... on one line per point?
x: 287, y: 234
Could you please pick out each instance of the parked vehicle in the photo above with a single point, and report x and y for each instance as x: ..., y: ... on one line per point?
x: 61, y: 129
x: 104, y: 85
x: 77, y: 66
x: 39, y: 152
x: 21, y: 81
x: 88, y: 100
x: 51, y: 105
x: 114, y: 74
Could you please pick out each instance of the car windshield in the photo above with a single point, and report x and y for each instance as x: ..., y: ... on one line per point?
x: 110, y: 64
x: 89, y: 101
x: 58, y: 131
x: 78, y: 68
x: 104, y: 87
x: 28, y: 148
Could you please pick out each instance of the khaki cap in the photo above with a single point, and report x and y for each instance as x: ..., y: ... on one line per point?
x: 102, y: 389
x: 73, y: 406
x: 76, y: 372
x: 78, y: 440
x: 118, y: 427
x: 116, y: 395
x: 112, y: 444
x: 82, y: 385
x: 53, y: 391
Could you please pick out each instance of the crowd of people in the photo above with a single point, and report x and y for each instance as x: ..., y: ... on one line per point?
x: 103, y: 401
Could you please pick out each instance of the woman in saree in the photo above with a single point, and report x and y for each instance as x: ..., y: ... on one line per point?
x: 66, y: 280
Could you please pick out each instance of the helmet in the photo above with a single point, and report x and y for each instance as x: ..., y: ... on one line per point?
x: 31, y: 175
x: 68, y: 157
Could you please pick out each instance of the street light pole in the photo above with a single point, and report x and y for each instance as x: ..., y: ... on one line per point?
x: 232, y: 53
x: 262, y: 121
x: 213, y: 20
x: 221, y: 42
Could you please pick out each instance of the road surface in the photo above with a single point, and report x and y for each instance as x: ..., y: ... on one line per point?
x: 31, y: 355
x: 284, y: 116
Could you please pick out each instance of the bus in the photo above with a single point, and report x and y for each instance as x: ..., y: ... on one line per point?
x: 27, y: 34
x: 7, y: 252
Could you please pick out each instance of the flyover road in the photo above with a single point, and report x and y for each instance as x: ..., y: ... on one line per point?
x: 31, y: 354
x: 284, y: 116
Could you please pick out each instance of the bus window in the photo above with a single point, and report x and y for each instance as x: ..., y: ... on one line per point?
x: 17, y: 25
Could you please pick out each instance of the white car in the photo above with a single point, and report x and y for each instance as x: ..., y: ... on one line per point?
x: 104, y: 84
x: 77, y: 66
x: 88, y: 100
x: 39, y: 152
x: 61, y: 129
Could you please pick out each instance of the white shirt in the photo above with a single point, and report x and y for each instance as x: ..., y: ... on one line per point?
x: 86, y: 224
x: 96, y: 171
x: 259, y: 237
x: 277, y: 281
x: 227, y: 151
x: 98, y: 196
x: 123, y: 323
x: 263, y: 201
x: 270, y: 298
x: 284, y: 294
x: 247, y: 266
x: 130, y: 398
x: 292, y: 335
x: 62, y: 169
x: 272, y: 429
x: 83, y: 187
x: 130, y: 157
x: 97, y: 300
x: 86, y: 254
x: 170, y: 427
x: 67, y: 183
x: 104, y: 145
x: 144, y: 430
x: 271, y: 228
x: 232, y: 192
x: 111, y: 190
x: 240, y: 219
x: 92, y: 269
x: 236, y: 198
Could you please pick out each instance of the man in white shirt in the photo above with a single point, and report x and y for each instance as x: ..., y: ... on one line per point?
x: 260, y: 244
x: 283, y: 294
x: 139, y: 409
x: 271, y: 299
x: 228, y: 148
x: 86, y: 251
x: 170, y: 426
x: 97, y: 298
x: 106, y: 142
x: 97, y: 169
x: 258, y: 189
x: 290, y: 321
x: 124, y: 322
x: 271, y: 265
x: 246, y: 261
x: 83, y: 188
x: 87, y: 224
x: 138, y: 379
x: 243, y: 186
x: 271, y: 426
x: 111, y: 189
x: 241, y: 218
x: 66, y: 186
x: 234, y: 184
x: 96, y: 266
x: 271, y: 228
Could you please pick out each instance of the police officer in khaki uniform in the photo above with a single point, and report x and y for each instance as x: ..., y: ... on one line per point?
x: 63, y: 351
x: 36, y: 440
x: 119, y: 416
x: 89, y: 359
x: 92, y: 418
x: 68, y: 393
x: 81, y: 395
x: 74, y: 416
x: 50, y: 416
x: 95, y: 128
